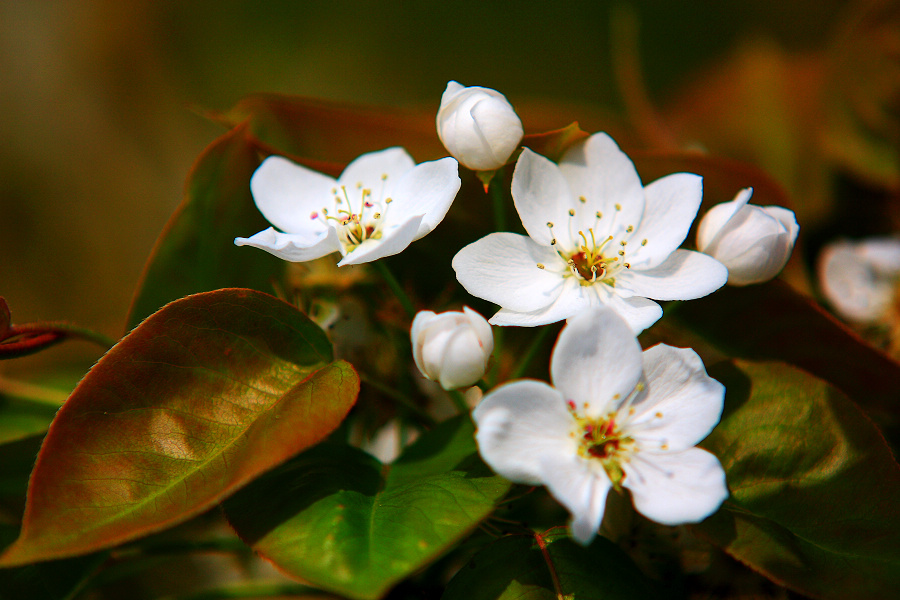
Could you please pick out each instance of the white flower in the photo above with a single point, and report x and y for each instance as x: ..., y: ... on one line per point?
x: 614, y: 418
x: 754, y: 242
x: 478, y: 126
x: 597, y: 237
x: 861, y: 279
x: 381, y: 203
x: 453, y: 347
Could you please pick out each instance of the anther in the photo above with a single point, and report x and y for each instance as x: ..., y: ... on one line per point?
x: 582, y: 199
x: 627, y: 265
x: 623, y: 243
x: 618, y: 206
x: 599, y: 214
x: 658, y: 415
x: 314, y: 215
x: 629, y: 229
x: 571, y: 212
x: 621, y: 253
x: 553, y: 242
x: 376, y: 216
x: 384, y: 177
x: 540, y: 266
x: 644, y: 242
x: 388, y: 200
x: 550, y: 224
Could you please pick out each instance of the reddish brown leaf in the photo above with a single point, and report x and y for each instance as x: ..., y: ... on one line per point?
x: 201, y: 398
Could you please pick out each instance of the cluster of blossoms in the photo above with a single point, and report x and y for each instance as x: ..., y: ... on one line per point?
x: 600, y: 249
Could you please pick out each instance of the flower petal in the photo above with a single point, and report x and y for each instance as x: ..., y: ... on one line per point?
x: 606, y: 177
x: 851, y: 285
x: 369, y: 169
x: 681, y: 403
x: 713, y: 222
x: 428, y: 189
x: 670, y: 208
x: 676, y: 487
x: 686, y: 275
x: 287, y: 194
x: 392, y: 241
x: 517, y: 424
x: 596, y: 361
x: 639, y: 313
x: 570, y: 302
x: 502, y: 268
x: 541, y: 196
x: 579, y: 486
x: 294, y: 247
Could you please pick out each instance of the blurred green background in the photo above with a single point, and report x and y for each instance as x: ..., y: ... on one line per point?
x: 99, y: 129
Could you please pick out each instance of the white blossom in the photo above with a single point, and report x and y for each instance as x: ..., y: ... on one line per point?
x: 478, y: 126
x: 451, y: 348
x: 861, y: 279
x: 380, y: 204
x: 596, y: 236
x: 754, y: 242
x: 614, y: 418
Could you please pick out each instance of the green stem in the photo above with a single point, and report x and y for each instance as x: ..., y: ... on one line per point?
x: 459, y: 402
x: 536, y: 344
x: 395, y: 286
x: 498, y: 199
x: 407, y: 402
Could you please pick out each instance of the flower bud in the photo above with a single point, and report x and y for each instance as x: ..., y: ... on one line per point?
x: 754, y: 242
x: 861, y: 280
x: 452, y: 348
x: 478, y: 126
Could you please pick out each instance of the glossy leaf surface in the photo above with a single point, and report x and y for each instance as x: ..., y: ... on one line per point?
x: 814, y: 486
x: 201, y: 398
x: 773, y: 322
x: 195, y: 251
x: 516, y: 568
x: 329, y: 516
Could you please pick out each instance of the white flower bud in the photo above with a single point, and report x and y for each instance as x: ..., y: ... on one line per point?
x: 754, y: 242
x: 452, y: 348
x: 861, y: 279
x: 478, y: 126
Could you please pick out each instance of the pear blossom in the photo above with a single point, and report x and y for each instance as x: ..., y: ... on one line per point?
x: 478, y: 126
x: 380, y: 204
x: 861, y: 279
x: 754, y: 242
x: 451, y: 348
x: 615, y: 418
x: 596, y: 236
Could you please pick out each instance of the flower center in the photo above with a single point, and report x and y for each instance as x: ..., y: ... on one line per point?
x: 356, y: 220
x: 589, y: 259
x: 601, y: 440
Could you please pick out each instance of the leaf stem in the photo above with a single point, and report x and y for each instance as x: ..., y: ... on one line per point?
x: 530, y: 353
x: 550, y: 566
x: 498, y: 200
x: 396, y: 288
x: 459, y: 402
x: 406, y: 401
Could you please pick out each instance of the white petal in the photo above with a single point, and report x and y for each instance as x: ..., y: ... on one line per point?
x: 581, y: 487
x: 502, y: 268
x: 368, y: 169
x: 715, y: 219
x: 606, y: 177
x: 517, y: 424
x: 393, y: 241
x: 851, y: 285
x: 421, y: 323
x: 287, y: 194
x: 686, y: 275
x: 677, y: 487
x: 671, y: 205
x: 681, y: 403
x: 596, y: 362
x: 481, y: 328
x: 293, y: 247
x: 571, y: 301
x: 639, y: 313
x: 883, y: 254
x: 541, y: 196
x: 428, y: 189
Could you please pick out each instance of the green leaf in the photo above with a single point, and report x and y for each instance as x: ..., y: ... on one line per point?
x: 195, y: 251
x: 773, y: 322
x: 20, y: 419
x: 814, y: 488
x: 201, y: 398
x: 330, y: 518
x: 517, y: 568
